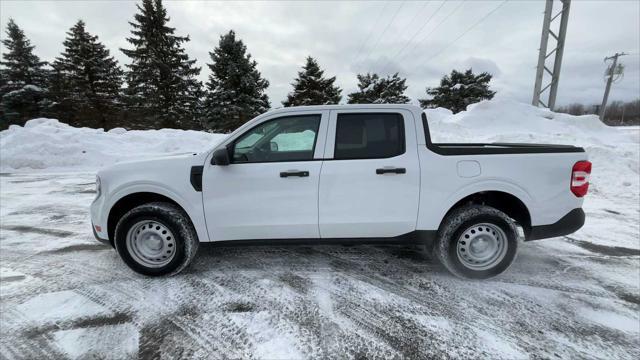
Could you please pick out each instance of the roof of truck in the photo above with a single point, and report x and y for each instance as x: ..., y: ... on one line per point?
x: 345, y: 107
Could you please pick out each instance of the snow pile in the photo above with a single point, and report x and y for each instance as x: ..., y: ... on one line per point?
x: 52, y: 145
x: 614, y: 151
x: 508, y: 121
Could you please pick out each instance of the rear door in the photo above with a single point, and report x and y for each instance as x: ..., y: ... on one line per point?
x: 270, y: 189
x: 370, y: 179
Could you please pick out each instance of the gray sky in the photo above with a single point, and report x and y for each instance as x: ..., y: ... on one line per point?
x: 350, y: 37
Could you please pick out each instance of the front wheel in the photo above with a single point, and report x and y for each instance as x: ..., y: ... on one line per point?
x: 477, y: 241
x: 156, y: 239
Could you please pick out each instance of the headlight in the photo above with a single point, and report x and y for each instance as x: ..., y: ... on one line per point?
x: 98, y: 187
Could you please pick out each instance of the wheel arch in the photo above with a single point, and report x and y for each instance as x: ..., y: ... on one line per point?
x: 504, y: 201
x: 130, y: 201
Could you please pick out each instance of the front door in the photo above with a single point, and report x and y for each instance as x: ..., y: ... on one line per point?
x: 270, y: 189
x: 370, y: 181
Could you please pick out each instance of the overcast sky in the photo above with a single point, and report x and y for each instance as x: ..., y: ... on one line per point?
x: 377, y: 36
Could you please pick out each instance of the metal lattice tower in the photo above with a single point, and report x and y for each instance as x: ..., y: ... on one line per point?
x: 557, y: 52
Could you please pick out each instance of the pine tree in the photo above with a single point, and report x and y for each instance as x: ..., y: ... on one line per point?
x: 86, y: 82
x: 377, y: 90
x: 393, y: 88
x: 162, y: 87
x: 367, y: 94
x: 458, y: 90
x: 236, y: 89
x: 22, y: 79
x: 311, y: 88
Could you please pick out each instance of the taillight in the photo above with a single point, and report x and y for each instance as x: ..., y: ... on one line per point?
x: 580, y: 178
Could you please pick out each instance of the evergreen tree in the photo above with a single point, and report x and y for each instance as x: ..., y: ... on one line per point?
x: 393, y: 88
x: 22, y: 79
x: 86, y: 82
x: 377, y: 90
x: 162, y: 87
x: 311, y: 88
x: 458, y: 90
x: 367, y: 94
x: 236, y: 89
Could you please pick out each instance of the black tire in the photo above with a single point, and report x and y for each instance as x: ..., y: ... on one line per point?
x: 455, y: 225
x: 173, y: 218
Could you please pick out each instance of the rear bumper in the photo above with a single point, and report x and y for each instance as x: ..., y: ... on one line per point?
x: 566, y: 225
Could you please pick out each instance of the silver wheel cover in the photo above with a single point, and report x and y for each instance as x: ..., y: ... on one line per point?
x: 150, y: 243
x: 482, y: 246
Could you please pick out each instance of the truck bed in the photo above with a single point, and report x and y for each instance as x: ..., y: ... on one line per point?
x: 499, y: 148
x: 492, y: 148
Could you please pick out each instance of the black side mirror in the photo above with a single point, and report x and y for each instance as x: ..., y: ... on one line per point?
x: 220, y: 157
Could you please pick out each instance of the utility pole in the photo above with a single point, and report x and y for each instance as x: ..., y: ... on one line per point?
x: 610, y: 72
x: 558, y: 51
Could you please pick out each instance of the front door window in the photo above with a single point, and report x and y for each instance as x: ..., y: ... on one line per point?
x: 290, y: 138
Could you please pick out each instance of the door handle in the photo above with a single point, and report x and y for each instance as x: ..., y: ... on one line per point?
x: 289, y: 173
x: 391, y: 171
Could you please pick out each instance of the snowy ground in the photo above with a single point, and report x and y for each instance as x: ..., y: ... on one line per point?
x: 63, y: 295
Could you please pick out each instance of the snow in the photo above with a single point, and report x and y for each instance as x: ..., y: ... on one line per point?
x: 55, y: 146
x: 501, y: 349
x: 63, y: 305
x: 628, y: 323
x: 105, y: 342
x: 295, y: 141
x: 32, y: 88
x: 268, y: 344
x: 25, y: 88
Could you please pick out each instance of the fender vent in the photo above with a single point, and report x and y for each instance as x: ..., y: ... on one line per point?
x: 196, y: 177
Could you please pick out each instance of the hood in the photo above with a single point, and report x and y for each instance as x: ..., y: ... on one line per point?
x: 174, y: 162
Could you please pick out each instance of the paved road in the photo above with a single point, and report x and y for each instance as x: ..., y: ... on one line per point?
x: 64, y: 295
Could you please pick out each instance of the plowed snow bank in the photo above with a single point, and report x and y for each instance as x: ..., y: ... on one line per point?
x: 50, y: 144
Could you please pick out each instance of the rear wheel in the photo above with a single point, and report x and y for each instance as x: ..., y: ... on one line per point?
x: 156, y: 239
x: 477, y: 242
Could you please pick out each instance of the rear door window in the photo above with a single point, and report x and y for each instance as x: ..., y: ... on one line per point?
x: 369, y: 136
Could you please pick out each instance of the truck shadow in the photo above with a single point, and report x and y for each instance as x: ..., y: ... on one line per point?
x: 345, y: 257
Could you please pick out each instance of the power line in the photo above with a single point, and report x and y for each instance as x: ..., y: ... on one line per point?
x: 385, y: 29
x: 468, y: 29
x: 413, y: 36
x: 408, y: 27
x: 436, y: 27
x: 424, y: 5
x: 375, y: 24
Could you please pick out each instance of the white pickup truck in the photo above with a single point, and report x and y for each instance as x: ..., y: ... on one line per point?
x: 343, y: 172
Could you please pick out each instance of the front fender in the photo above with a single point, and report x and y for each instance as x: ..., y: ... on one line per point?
x: 191, y: 204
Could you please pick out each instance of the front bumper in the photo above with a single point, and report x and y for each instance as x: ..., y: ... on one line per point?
x: 98, y: 217
x: 568, y: 224
x: 95, y: 234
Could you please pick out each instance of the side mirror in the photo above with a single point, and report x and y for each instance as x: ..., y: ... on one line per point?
x: 273, y: 146
x: 220, y: 157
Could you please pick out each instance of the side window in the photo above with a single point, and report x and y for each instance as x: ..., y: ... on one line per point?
x: 290, y: 138
x: 369, y: 136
